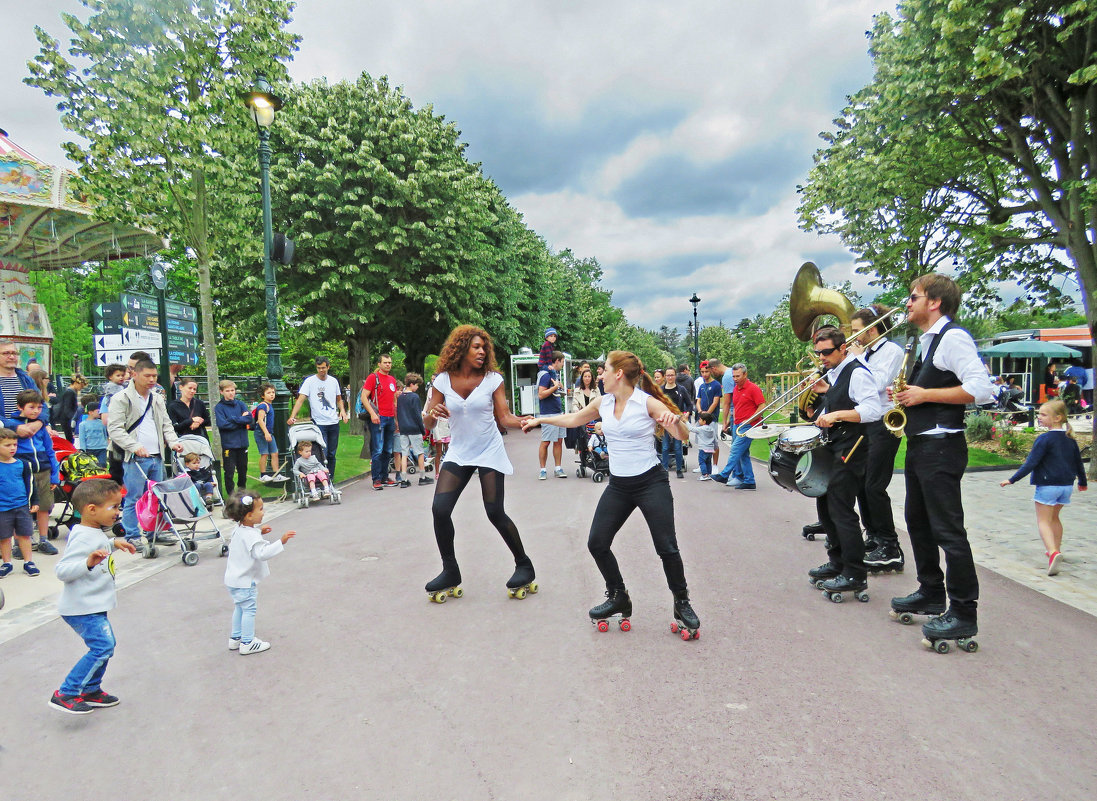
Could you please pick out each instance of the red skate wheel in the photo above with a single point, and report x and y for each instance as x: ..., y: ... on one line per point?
x: 625, y: 625
x: 673, y: 628
x: 603, y: 625
x: 696, y: 635
x: 685, y: 634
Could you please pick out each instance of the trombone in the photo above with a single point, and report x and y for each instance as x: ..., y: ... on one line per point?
x: 898, y: 318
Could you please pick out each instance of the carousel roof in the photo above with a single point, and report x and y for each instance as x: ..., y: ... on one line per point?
x: 45, y: 224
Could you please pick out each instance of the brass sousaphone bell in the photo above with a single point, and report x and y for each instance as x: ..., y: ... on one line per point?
x: 809, y: 302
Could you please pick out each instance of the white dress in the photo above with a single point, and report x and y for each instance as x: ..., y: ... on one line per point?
x: 474, y: 437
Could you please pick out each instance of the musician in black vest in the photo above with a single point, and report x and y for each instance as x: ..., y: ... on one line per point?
x: 851, y: 401
x: 882, y: 550
x: 947, y: 376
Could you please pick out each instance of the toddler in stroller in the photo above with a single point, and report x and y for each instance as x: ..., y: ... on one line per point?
x: 76, y: 467
x: 196, y: 461
x: 309, y: 468
x: 302, y: 490
x: 593, y: 454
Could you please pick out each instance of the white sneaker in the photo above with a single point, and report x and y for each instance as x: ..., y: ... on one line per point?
x: 543, y: 475
x: 697, y: 470
x: 704, y: 478
x: 265, y: 477
x: 254, y: 647
x: 234, y: 645
x: 315, y: 494
x: 560, y: 473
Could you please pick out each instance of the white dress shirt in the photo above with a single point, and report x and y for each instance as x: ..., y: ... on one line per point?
x: 884, y: 360
x: 958, y: 355
x: 862, y: 390
x: 631, y: 440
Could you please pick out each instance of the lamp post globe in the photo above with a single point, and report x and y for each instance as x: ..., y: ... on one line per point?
x: 263, y: 105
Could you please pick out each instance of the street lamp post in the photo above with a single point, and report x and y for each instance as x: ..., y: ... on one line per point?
x: 696, y: 337
x: 263, y: 104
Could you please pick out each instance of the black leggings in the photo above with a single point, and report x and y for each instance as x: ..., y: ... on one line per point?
x: 650, y: 492
x: 235, y: 463
x: 452, y: 480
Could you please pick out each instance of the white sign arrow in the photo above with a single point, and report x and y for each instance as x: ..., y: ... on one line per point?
x: 105, y: 357
x: 140, y: 339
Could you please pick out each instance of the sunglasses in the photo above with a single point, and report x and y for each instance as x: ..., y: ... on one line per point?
x: 913, y: 298
x: 824, y: 351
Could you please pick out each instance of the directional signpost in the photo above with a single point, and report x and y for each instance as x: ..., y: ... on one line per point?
x: 133, y: 323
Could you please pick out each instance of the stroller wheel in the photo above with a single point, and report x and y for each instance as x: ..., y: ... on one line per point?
x: 192, y: 545
x: 412, y: 469
x: 53, y: 532
x: 149, y: 552
x: 224, y: 550
x: 190, y: 559
x: 599, y: 478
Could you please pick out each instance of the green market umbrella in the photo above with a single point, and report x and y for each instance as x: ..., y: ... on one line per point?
x: 1031, y: 349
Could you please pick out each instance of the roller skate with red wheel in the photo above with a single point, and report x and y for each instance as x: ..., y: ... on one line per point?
x: 521, y: 583
x: 685, y: 621
x: 445, y: 585
x: 617, y: 604
x: 950, y: 626
x: 835, y: 589
x: 918, y: 602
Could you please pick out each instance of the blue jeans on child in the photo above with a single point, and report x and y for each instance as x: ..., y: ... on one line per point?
x: 243, y: 615
x: 704, y: 461
x: 135, y: 485
x: 86, y: 675
x: 670, y: 442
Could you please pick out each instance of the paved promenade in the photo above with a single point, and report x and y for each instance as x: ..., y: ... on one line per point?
x: 370, y: 692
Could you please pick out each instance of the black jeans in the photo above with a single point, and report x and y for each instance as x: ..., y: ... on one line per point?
x: 873, y: 497
x: 650, y: 492
x: 235, y: 466
x: 935, y: 519
x: 846, y: 548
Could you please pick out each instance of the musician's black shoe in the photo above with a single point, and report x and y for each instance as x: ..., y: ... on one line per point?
x: 920, y: 603
x: 886, y: 557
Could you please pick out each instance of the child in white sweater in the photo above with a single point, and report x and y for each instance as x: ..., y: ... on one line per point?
x: 87, y: 568
x: 247, y: 566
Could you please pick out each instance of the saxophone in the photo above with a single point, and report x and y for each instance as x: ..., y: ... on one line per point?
x: 895, y: 419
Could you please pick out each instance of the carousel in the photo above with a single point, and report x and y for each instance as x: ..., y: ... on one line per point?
x: 46, y: 225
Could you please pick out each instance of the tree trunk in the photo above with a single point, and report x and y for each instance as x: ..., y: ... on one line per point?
x: 358, y: 355
x: 209, y: 346
x: 1084, y: 256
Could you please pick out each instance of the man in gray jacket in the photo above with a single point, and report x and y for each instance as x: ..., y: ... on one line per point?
x: 140, y: 429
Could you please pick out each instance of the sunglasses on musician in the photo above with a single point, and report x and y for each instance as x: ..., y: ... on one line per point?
x: 824, y: 351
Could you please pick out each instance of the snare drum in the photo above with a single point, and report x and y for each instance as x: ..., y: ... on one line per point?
x: 800, y: 439
x: 806, y: 473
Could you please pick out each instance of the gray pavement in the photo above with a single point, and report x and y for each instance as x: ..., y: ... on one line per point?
x: 369, y: 691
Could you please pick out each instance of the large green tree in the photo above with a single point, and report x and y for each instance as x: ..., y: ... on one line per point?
x: 153, y: 90
x: 973, y: 147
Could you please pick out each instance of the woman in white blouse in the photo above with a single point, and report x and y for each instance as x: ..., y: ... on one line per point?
x: 468, y: 392
x: 630, y: 409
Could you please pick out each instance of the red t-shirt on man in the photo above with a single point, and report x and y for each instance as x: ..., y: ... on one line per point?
x: 381, y: 391
x: 746, y: 399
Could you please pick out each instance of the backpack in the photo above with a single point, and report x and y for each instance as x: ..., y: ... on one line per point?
x: 147, y: 508
x: 81, y: 465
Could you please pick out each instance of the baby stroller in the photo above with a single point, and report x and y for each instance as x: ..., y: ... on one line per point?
x: 195, y: 443
x: 412, y: 466
x: 174, y: 506
x: 593, y: 455
x: 307, y: 432
x: 74, y: 468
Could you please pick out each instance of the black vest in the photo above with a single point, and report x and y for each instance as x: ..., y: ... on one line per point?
x: 837, y: 399
x: 927, y: 416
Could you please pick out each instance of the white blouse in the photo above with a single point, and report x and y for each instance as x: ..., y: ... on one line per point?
x: 631, y: 440
x: 474, y: 437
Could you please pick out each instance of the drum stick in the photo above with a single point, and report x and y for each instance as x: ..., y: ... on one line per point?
x: 851, y: 450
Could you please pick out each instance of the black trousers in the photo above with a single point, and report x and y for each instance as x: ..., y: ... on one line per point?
x: 235, y: 466
x: 935, y: 519
x: 846, y: 548
x: 650, y: 492
x: 873, y: 500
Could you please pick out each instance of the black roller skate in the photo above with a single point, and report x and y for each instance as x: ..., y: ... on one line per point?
x: 685, y: 619
x: 951, y: 626
x: 444, y: 585
x: 522, y: 581
x: 817, y: 575
x: 886, y: 557
x: 835, y: 587
x: 811, y: 530
x: 617, y: 604
x: 918, y: 602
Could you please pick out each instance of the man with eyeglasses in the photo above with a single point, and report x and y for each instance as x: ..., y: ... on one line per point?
x: 850, y: 401
x: 14, y: 380
x: 947, y: 376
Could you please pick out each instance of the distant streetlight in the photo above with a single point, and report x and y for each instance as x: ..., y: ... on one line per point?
x: 696, y: 337
x: 263, y: 104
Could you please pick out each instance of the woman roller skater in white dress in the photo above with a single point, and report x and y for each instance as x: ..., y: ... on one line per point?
x: 468, y: 391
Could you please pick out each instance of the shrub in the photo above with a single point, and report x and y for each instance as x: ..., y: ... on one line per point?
x: 979, y: 427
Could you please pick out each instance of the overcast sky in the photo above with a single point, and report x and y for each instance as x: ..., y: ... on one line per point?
x: 664, y: 139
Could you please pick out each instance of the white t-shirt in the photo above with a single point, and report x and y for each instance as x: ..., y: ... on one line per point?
x: 148, y: 435
x: 323, y: 399
x: 631, y: 440
x: 474, y: 436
